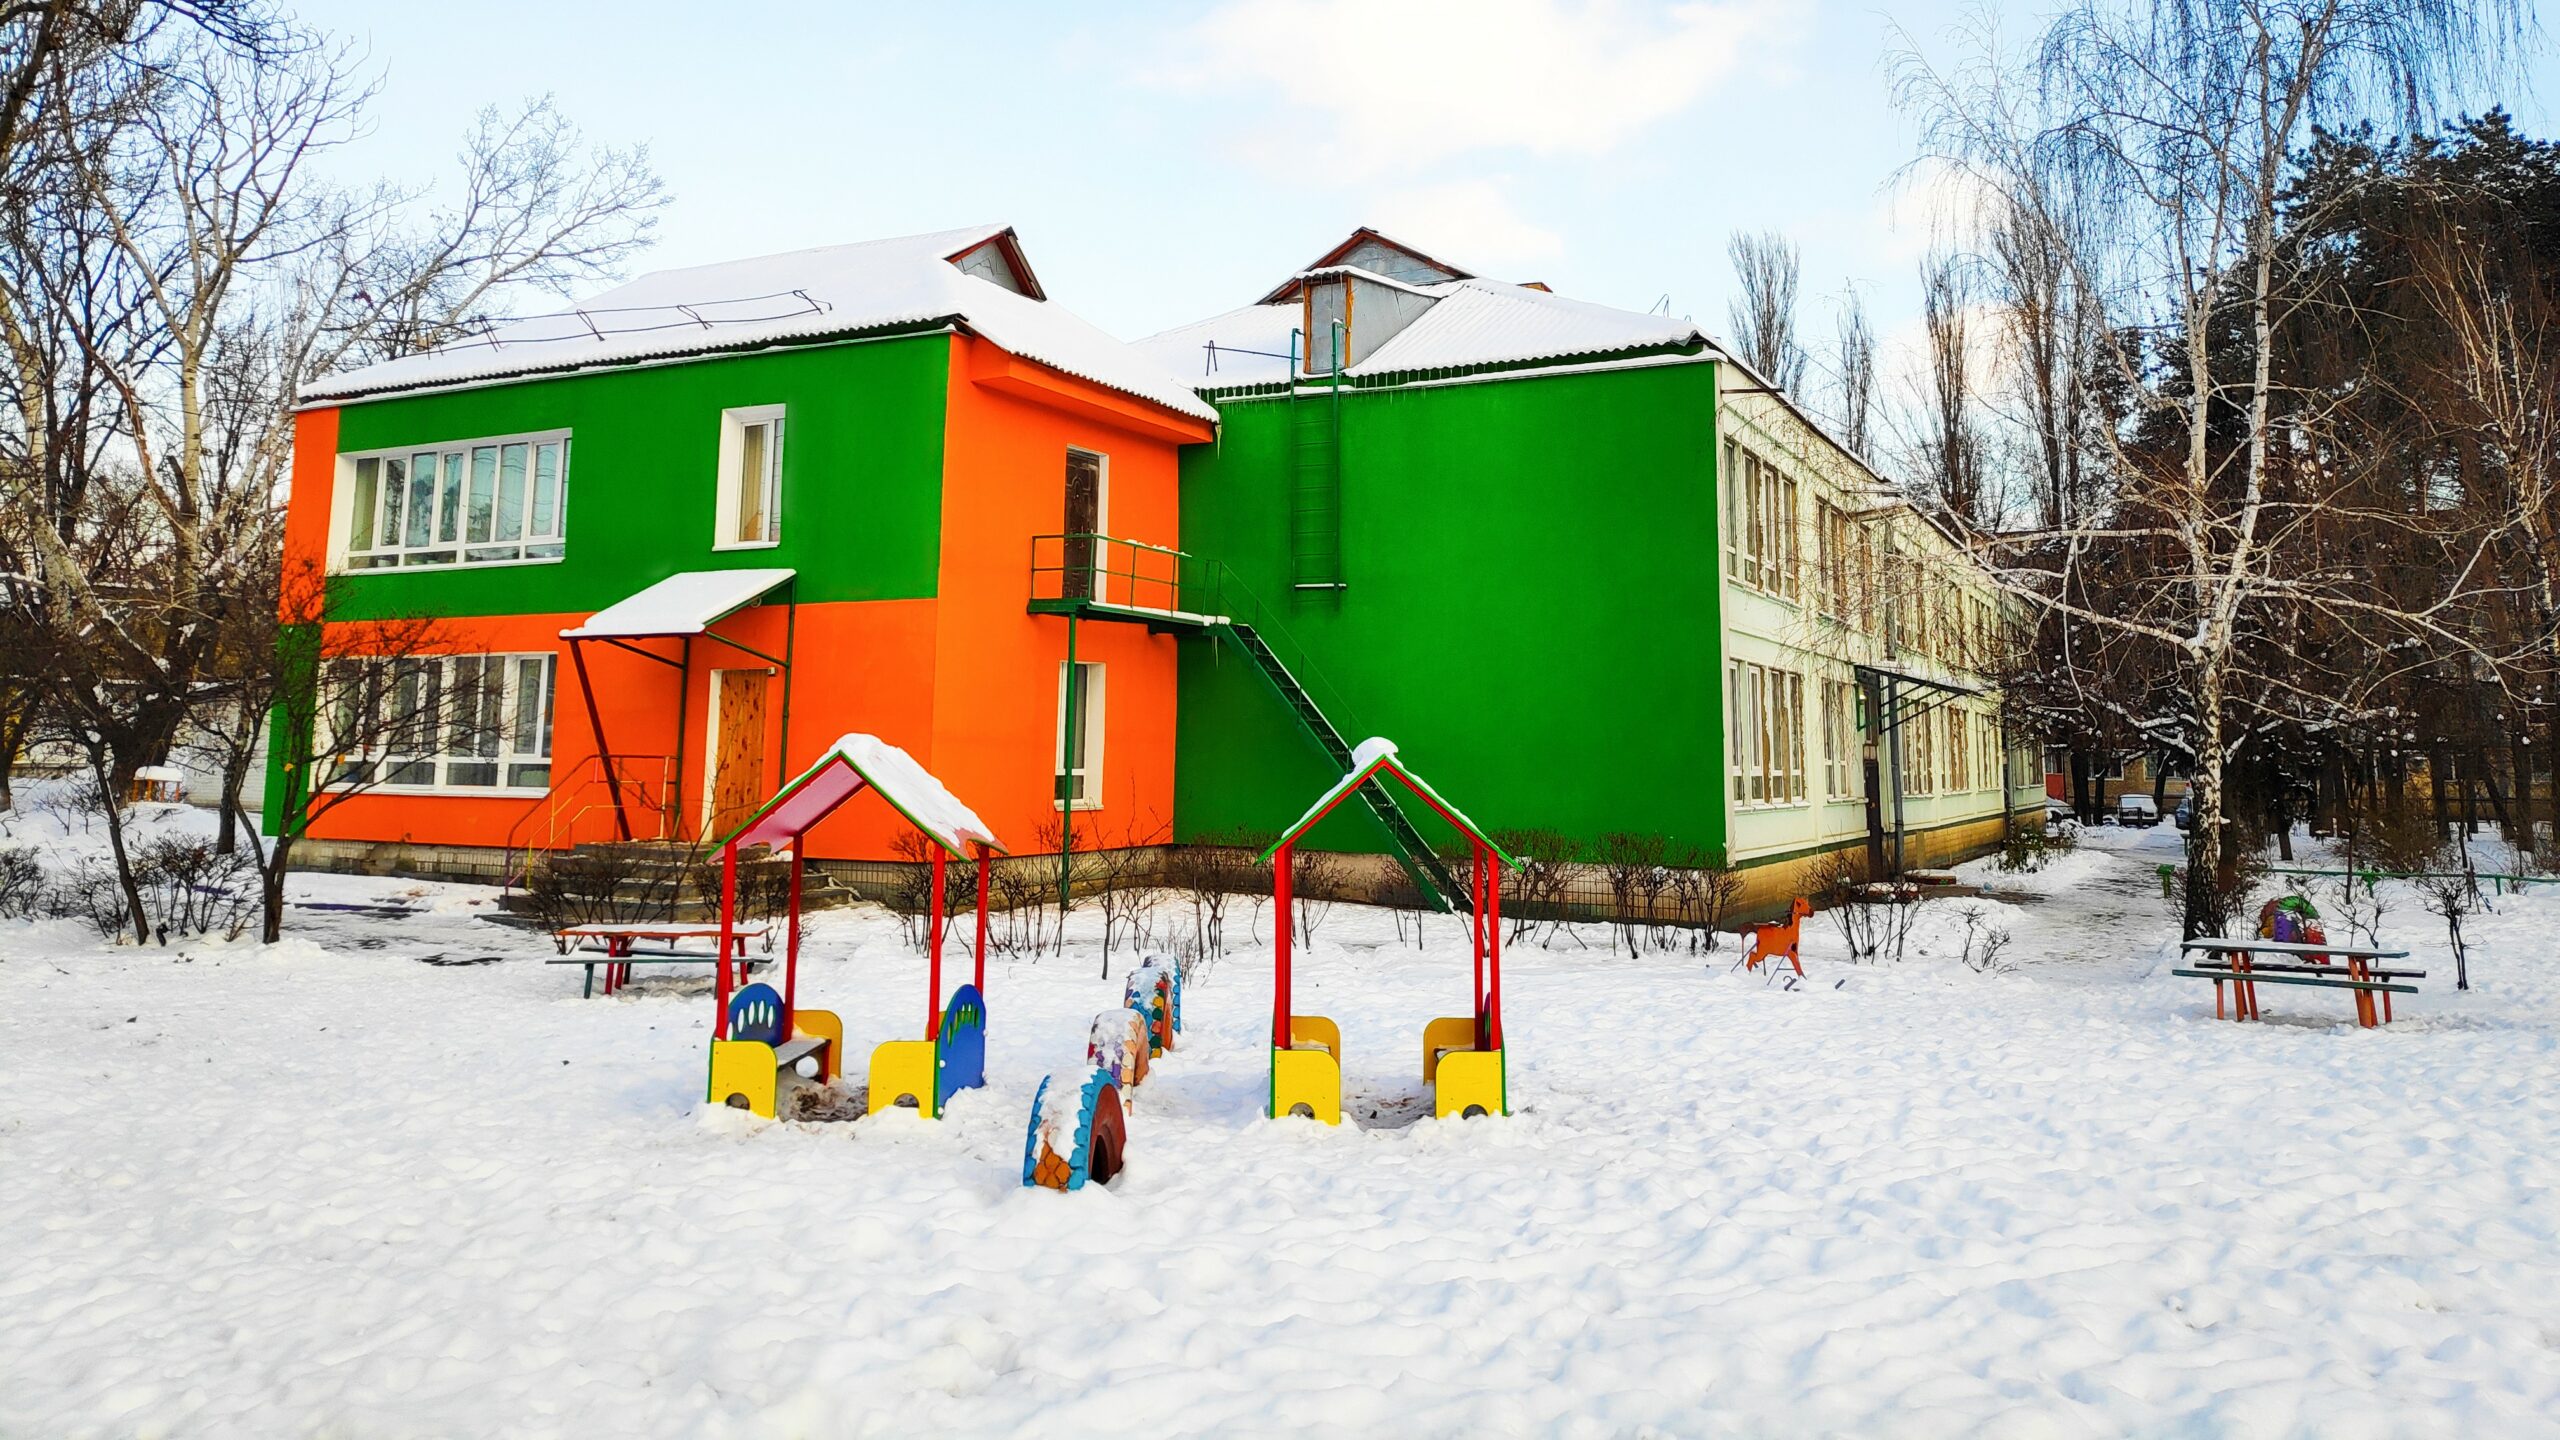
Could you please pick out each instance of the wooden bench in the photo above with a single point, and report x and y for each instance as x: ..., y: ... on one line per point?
x: 615, y: 948
x: 2244, y: 970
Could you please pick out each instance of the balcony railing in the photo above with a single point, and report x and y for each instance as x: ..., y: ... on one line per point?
x: 1104, y: 572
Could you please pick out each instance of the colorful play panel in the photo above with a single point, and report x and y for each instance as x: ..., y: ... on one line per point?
x: 1462, y: 1055
x: 761, y: 1034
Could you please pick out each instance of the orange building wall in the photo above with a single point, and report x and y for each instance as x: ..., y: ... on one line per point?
x: 967, y: 682
x: 995, y: 724
x: 859, y: 666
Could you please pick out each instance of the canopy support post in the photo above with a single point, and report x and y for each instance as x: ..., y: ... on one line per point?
x: 604, y: 757
x: 985, y: 859
x: 728, y: 930
x: 1280, y: 948
x: 933, y: 948
x: 1493, y: 948
x: 675, y: 786
x: 790, y: 641
x: 791, y: 943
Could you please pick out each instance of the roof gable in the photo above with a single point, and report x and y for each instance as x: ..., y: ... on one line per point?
x: 1366, y: 249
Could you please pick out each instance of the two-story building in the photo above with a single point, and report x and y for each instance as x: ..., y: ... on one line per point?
x: 1605, y: 578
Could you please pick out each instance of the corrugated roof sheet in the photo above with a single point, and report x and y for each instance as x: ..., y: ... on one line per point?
x: 800, y: 295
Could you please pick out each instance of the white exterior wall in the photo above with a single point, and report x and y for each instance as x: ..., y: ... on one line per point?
x: 1794, y: 635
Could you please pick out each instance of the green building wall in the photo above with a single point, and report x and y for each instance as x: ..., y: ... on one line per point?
x: 861, y: 476
x: 1531, y: 609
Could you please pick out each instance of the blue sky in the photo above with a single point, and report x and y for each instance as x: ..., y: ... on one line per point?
x: 1166, y: 161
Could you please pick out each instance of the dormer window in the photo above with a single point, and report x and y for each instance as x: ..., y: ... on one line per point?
x: 750, y: 507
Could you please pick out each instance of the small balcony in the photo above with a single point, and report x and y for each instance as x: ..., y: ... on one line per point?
x: 1103, y: 577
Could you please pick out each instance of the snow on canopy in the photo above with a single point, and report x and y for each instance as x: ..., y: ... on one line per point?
x: 1367, y: 759
x: 1470, y: 322
x: 682, y: 604
x: 911, y: 281
x: 850, y: 764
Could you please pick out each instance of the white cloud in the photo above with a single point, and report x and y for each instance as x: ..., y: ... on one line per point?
x: 1475, y: 217
x: 1399, y: 84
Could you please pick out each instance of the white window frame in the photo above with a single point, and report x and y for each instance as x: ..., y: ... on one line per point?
x: 506, y: 755
x: 450, y: 504
x: 1766, y: 751
x: 1091, y: 692
x: 734, y: 423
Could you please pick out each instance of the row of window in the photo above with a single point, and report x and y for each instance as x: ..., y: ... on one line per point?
x: 1947, y: 748
x: 1853, y: 583
x: 465, y: 723
x: 505, y: 500
x: 473, y: 724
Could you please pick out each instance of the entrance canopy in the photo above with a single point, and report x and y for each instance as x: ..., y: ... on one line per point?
x: 686, y: 604
x: 850, y: 765
x: 1374, y: 756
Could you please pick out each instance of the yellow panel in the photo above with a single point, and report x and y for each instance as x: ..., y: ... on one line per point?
x: 1306, y: 1077
x: 1317, y: 1030
x: 743, y: 1069
x: 903, y: 1067
x: 1469, y: 1079
x: 822, y: 1025
x: 1449, y: 1032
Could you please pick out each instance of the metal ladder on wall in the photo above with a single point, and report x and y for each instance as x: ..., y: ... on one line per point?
x: 1423, y: 867
x: 1315, y: 481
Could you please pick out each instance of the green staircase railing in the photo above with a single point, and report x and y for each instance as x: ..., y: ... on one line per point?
x: 1104, y: 577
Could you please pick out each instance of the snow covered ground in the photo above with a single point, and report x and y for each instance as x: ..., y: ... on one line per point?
x: 394, y: 1178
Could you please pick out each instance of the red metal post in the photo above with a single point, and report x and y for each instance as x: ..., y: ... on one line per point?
x: 933, y: 947
x: 790, y: 945
x: 1493, y: 943
x: 1280, y: 949
x: 1475, y: 926
x: 728, y: 927
x: 985, y: 858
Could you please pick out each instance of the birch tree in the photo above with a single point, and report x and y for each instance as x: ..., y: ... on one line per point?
x: 2157, y: 137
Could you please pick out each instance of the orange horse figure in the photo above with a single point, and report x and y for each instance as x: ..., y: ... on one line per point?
x: 1777, y: 939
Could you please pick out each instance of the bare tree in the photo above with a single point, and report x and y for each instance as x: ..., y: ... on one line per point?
x: 2156, y: 138
x: 1855, y: 361
x: 1766, y: 267
x: 1951, y: 449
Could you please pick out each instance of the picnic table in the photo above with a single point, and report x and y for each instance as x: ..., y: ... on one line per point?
x: 616, y: 948
x: 2322, y: 964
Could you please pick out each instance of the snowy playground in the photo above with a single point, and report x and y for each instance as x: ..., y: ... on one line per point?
x: 395, y: 1177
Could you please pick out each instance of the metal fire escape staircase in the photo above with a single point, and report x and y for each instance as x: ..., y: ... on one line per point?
x: 1096, y: 577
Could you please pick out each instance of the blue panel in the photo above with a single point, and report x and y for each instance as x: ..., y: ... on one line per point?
x: 960, y: 1061
x: 755, y: 1013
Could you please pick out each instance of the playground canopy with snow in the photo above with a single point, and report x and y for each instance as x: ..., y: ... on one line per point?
x: 394, y: 1177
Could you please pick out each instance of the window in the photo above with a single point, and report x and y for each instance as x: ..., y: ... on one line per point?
x: 1919, y: 756
x: 1767, y: 743
x: 750, y: 512
x: 1080, y: 781
x: 1761, y: 546
x: 463, y: 723
x: 479, y: 502
x: 1959, y: 751
x: 1842, y: 747
x: 1831, y: 562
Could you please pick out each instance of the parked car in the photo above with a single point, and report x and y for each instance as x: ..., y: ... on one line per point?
x: 2137, y: 810
x: 2185, y: 814
x: 2059, y: 819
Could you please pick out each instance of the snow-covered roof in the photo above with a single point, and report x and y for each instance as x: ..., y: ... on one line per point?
x: 683, y: 604
x: 802, y: 295
x: 1470, y: 322
x: 842, y: 772
x: 1368, y: 758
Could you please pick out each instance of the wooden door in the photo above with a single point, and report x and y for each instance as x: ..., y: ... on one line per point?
x: 1084, y: 520
x: 739, y: 782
